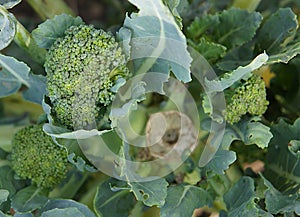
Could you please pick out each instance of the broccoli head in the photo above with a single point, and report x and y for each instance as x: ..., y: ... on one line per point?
x: 35, y: 156
x: 82, y: 67
x: 249, y: 97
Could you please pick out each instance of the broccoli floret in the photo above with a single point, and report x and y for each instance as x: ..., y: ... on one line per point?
x: 36, y: 157
x: 82, y: 67
x: 250, y: 97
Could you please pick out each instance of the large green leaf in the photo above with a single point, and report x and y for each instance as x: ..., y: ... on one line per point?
x: 157, y: 43
x: 248, y: 131
x: 182, y: 200
x: 9, y: 3
x: 28, y: 199
x: 66, y: 212
x: 15, y: 73
x: 113, y: 203
x: 50, y: 30
x: 221, y: 161
x: 283, y: 165
x: 63, y: 208
x: 7, y: 28
x: 3, y: 195
x: 231, y: 28
x: 240, y: 200
x: 277, y: 31
x: 151, y: 193
x: 276, y: 202
x: 7, y: 180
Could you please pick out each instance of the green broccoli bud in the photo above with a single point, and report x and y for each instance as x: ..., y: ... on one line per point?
x: 250, y: 97
x: 36, y: 157
x: 82, y: 67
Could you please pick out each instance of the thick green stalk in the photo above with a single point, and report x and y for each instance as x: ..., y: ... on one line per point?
x: 24, y: 40
x: 49, y: 8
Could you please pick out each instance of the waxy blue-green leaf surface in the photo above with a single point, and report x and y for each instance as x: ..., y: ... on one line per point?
x: 14, y: 74
x: 183, y: 199
x: 157, y: 43
x: 9, y: 3
x: 47, y: 32
x: 7, y: 27
x: 3, y: 195
x: 66, y: 206
x: 151, y: 193
x: 28, y: 199
x: 221, y: 161
x: 240, y: 200
x: 276, y: 202
x: 110, y: 202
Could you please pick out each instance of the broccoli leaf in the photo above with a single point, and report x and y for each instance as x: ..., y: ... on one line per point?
x: 157, y: 43
x: 3, y: 195
x: 151, y: 193
x: 28, y: 199
x: 7, y: 180
x: 7, y: 28
x: 66, y: 208
x: 240, y: 199
x: 286, y: 53
x: 283, y: 165
x: 110, y: 202
x: 236, y: 27
x: 277, y: 31
x: 221, y: 161
x: 276, y: 202
x: 183, y: 199
x: 51, y: 29
x: 209, y: 50
x: 175, y: 7
x: 23, y: 215
x: 242, y: 72
x: 15, y: 73
x: 231, y: 28
x: 66, y: 212
x: 8, y: 4
x: 249, y: 131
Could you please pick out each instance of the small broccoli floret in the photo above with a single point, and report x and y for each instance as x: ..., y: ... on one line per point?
x: 81, y: 69
x: 250, y: 98
x: 35, y: 156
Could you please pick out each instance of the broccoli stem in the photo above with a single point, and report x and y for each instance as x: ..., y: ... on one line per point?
x: 48, y: 8
x: 25, y: 41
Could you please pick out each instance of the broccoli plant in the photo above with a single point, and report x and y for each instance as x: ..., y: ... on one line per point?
x: 149, y: 108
